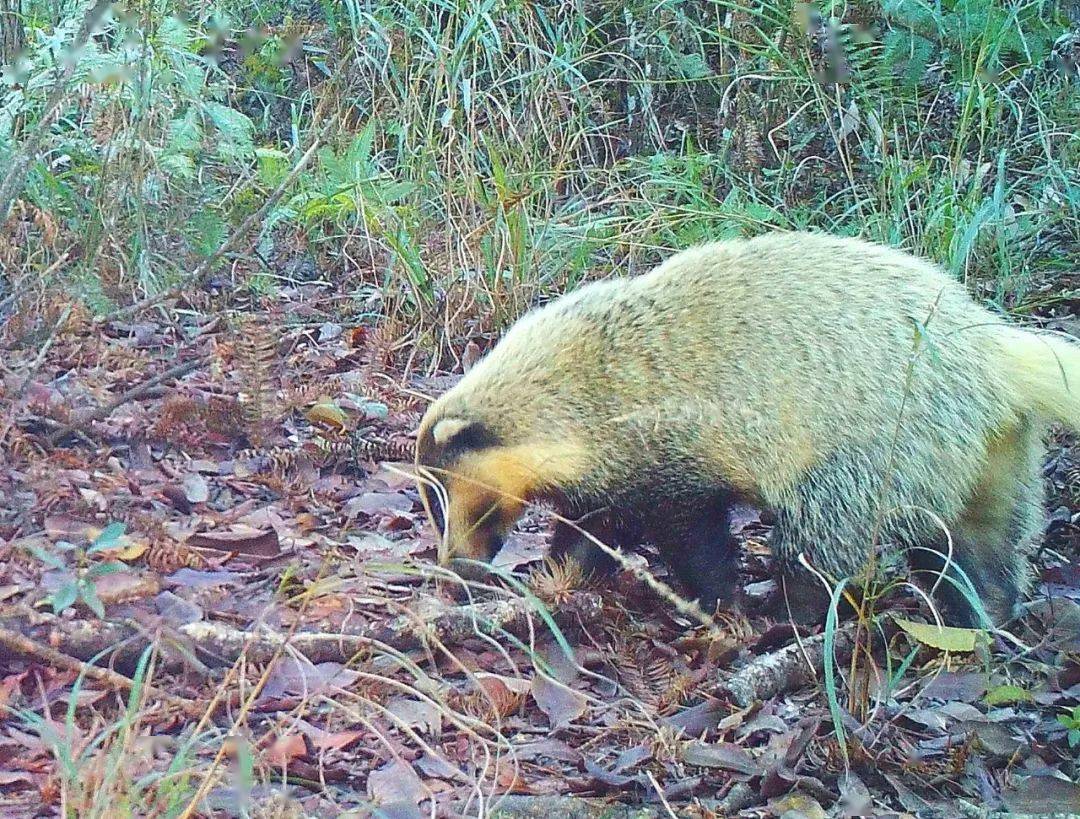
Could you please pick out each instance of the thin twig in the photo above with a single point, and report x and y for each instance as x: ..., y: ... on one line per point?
x: 134, y: 393
x: 226, y: 246
x: 660, y: 793
x: 36, y: 365
x: 25, y: 646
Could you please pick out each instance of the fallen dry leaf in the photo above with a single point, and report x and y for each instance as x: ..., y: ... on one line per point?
x: 562, y: 705
x: 285, y: 749
x: 196, y: 490
x: 125, y: 586
x: 724, y: 755
x: 133, y: 550
x: 375, y: 503
x: 395, y: 783
x: 63, y: 527
x: 416, y: 713
x: 962, y: 686
x: 333, y: 741
x: 329, y: 415
x: 437, y: 767
x: 1043, y: 795
x: 298, y: 676
x: 797, y: 804
x: 17, y: 778
x: 241, y: 540
x: 517, y: 685
x: 503, y: 695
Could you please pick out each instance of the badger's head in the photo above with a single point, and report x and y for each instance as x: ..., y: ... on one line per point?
x: 485, y: 476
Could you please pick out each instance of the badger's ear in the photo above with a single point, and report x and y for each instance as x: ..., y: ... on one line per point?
x: 446, y: 429
x: 461, y: 434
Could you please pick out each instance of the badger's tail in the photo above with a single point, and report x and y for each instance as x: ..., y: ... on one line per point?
x: 1044, y: 370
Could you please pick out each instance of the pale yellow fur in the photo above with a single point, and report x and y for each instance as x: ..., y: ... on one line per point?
x: 854, y: 389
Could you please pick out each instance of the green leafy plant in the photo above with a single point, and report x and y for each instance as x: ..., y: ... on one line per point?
x: 97, y: 771
x: 76, y: 560
x: 1071, y: 720
x: 968, y: 36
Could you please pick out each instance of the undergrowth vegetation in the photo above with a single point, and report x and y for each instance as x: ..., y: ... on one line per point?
x: 479, y: 156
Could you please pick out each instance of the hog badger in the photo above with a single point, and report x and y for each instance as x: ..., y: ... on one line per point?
x: 856, y: 392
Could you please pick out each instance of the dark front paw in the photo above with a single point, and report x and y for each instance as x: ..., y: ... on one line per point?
x: 569, y: 543
x: 713, y: 592
x: 799, y: 599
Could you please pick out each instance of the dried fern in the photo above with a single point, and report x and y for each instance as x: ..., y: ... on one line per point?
x: 368, y: 445
x: 255, y: 357
x: 644, y: 671
x: 186, y: 421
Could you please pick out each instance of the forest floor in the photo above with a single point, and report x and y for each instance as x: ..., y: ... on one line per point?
x: 279, y: 642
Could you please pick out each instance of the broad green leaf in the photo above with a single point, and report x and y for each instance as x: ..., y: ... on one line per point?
x: 233, y: 126
x: 102, y: 569
x: 47, y: 557
x: 1007, y: 693
x: 944, y: 638
x: 108, y: 537
x: 65, y: 596
x: 185, y: 133
x: 177, y: 165
x: 174, y: 33
x: 89, y: 596
x: 693, y: 66
x: 207, y: 231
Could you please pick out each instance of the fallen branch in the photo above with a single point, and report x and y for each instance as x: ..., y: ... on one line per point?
x: 515, y: 806
x: 218, y: 645
x: 136, y: 392
x: 12, y: 642
x: 789, y: 669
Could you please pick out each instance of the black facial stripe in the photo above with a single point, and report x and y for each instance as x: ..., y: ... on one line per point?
x: 440, y: 459
x: 475, y: 436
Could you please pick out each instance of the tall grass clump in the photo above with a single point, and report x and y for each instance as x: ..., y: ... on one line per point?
x: 483, y: 156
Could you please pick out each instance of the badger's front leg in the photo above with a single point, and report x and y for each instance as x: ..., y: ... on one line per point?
x: 694, y: 538
x: 692, y: 534
x: 609, y: 529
